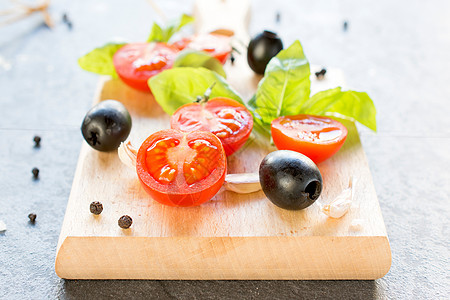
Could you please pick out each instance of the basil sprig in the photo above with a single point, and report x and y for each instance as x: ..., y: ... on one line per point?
x: 100, y: 60
x: 175, y: 87
x: 197, y: 59
x: 285, y: 90
x: 163, y: 34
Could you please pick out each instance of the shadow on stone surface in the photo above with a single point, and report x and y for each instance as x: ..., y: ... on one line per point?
x: 219, y: 289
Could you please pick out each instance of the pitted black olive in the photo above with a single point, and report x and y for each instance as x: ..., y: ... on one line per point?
x: 290, y: 179
x: 261, y: 49
x: 106, y: 125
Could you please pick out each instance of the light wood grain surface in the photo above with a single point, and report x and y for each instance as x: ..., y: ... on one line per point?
x: 233, y: 236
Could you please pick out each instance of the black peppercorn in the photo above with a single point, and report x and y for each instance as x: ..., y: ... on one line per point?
x: 66, y: 20
x: 32, y: 218
x: 35, y: 172
x: 96, y: 208
x: 321, y: 73
x: 345, y: 26
x: 125, y: 222
x: 37, y: 141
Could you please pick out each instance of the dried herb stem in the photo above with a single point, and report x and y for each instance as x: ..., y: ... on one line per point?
x: 22, y: 11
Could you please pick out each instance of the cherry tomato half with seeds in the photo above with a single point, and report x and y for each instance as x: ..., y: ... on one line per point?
x: 229, y: 120
x: 181, y: 169
x: 314, y: 136
x: 216, y: 45
x: 136, y: 63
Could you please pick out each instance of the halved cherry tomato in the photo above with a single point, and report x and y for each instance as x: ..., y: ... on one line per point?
x: 314, y: 136
x: 181, y: 169
x: 136, y: 63
x: 216, y: 45
x: 229, y: 120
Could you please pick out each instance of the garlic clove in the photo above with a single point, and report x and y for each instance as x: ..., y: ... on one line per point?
x: 341, y: 204
x: 127, y: 154
x: 242, y: 183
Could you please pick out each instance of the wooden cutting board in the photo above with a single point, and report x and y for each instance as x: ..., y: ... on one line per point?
x: 233, y: 236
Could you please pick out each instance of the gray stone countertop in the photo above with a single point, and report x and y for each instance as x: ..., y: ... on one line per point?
x: 397, y: 51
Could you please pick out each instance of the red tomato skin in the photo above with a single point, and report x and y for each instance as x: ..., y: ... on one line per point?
x: 184, y: 200
x: 125, y: 57
x: 179, y: 196
x: 316, y: 151
x: 182, y: 43
x: 216, y: 45
x: 230, y: 144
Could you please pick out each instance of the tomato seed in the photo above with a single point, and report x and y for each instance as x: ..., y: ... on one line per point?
x: 221, y: 134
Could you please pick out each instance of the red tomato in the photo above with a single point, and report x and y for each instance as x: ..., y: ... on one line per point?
x: 181, y: 169
x: 216, y: 45
x: 229, y: 120
x: 314, y: 136
x: 136, y: 63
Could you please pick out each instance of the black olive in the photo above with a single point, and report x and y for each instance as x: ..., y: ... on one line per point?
x: 290, y: 179
x: 106, y: 125
x: 261, y: 49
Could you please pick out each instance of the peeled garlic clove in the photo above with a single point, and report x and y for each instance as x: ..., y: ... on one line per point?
x: 127, y: 154
x: 339, y: 206
x: 243, y: 183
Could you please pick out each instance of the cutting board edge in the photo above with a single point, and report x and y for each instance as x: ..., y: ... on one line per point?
x: 225, y: 258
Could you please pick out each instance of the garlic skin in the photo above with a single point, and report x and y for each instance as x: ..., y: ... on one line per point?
x: 2, y: 226
x: 243, y: 183
x: 356, y: 225
x: 341, y: 204
x: 127, y: 154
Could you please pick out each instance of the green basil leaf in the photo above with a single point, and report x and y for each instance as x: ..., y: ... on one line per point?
x: 156, y: 35
x: 175, y: 87
x: 100, y: 60
x: 285, y: 86
x: 351, y: 105
x: 175, y: 25
x: 159, y: 34
x: 196, y: 59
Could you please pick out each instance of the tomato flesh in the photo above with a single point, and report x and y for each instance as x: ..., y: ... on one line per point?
x: 181, y: 169
x: 314, y: 136
x: 229, y: 120
x: 136, y: 63
x: 216, y: 45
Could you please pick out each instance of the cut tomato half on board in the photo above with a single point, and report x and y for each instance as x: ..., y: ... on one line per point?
x: 135, y: 63
x: 314, y: 136
x: 229, y: 120
x: 217, y: 45
x: 181, y: 169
